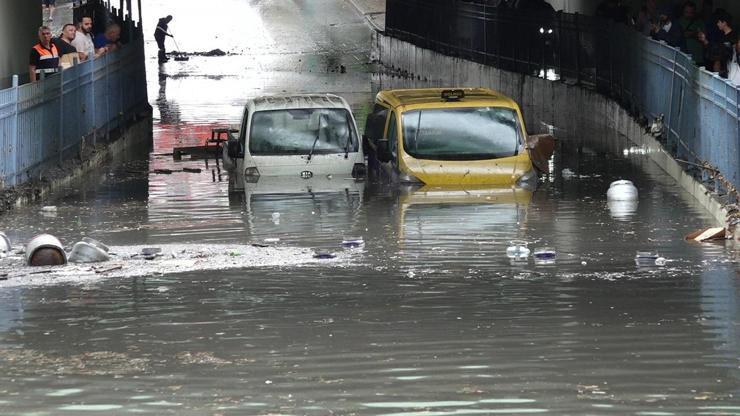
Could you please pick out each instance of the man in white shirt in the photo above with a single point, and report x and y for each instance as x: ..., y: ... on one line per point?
x: 83, y: 41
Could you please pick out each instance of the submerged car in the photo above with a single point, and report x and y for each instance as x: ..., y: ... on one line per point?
x: 445, y: 137
x: 298, y: 136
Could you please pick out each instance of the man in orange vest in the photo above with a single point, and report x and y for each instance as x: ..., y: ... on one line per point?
x: 44, y: 55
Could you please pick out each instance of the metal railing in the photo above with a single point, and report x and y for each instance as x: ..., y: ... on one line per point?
x: 649, y: 78
x: 51, y: 119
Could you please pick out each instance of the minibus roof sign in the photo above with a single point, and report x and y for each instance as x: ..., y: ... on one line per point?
x: 452, y: 95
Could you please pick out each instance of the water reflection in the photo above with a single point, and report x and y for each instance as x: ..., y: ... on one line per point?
x: 451, y: 226
x: 622, y: 210
x: 321, y: 211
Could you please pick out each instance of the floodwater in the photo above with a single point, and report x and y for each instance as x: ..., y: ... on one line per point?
x: 428, y: 317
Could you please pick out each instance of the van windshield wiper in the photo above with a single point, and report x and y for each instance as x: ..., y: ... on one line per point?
x: 316, y: 140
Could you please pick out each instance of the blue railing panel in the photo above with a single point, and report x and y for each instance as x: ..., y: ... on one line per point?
x: 40, y: 122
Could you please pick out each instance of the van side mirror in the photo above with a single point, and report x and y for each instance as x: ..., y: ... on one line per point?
x: 233, y: 147
x: 383, y: 151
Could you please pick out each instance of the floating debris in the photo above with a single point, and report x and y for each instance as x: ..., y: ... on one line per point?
x: 545, y: 256
x: 5, y: 245
x: 45, y: 250
x: 163, y: 171
x: 353, y: 242
x: 324, y: 255
x: 83, y: 252
x: 709, y: 234
x: 646, y: 258
x: 130, y: 263
x: 517, y: 250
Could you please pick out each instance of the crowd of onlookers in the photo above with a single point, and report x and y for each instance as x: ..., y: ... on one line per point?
x: 76, y: 43
x: 705, y: 33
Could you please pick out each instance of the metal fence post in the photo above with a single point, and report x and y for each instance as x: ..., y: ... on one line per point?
x: 60, y: 137
x: 93, y: 108
x: 578, y: 50
x: 669, y: 119
x: 736, y: 183
x: 14, y: 134
x: 107, y: 101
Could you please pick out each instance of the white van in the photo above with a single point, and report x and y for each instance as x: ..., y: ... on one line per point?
x: 298, y: 136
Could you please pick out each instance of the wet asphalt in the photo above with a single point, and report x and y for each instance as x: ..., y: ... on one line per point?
x: 428, y: 317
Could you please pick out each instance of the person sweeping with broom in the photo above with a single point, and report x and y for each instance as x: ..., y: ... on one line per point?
x: 159, y: 36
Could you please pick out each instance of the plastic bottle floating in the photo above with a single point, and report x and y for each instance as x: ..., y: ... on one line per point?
x: 646, y: 258
x: 621, y: 191
x: 545, y: 255
x: 517, y: 250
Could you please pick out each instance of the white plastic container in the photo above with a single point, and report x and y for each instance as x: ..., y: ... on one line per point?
x: 45, y: 250
x: 622, y: 191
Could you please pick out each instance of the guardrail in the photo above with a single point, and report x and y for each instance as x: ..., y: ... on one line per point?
x: 649, y: 78
x: 52, y: 118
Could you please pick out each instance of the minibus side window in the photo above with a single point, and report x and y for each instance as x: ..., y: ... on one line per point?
x: 392, y: 137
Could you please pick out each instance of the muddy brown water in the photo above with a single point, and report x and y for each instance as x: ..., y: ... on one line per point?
x: 428, y: 318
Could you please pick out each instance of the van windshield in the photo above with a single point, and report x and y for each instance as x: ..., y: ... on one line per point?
x: 461, y: 133
x: 298, y: 131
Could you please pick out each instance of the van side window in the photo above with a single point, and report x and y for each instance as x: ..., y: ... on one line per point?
x: 392, y: 136
x: 375, y: 125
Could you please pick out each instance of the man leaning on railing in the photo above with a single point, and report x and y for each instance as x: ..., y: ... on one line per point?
x: 44, y: 57
x: 108, y: 41
x: 83, y: 40
x: 68, y: 55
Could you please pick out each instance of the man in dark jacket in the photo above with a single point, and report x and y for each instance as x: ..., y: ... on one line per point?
x: 668, y: 31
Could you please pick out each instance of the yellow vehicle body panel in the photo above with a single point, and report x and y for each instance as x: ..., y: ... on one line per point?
x: 499, y: 171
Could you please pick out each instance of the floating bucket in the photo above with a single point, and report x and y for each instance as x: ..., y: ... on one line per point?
x: 45, y: 250
x: 84, y: 252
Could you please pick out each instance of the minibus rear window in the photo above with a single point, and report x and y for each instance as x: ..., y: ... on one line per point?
x: 474, y: 133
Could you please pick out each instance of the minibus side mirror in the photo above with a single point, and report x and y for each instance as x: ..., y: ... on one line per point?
x: 383, y: 152
x: 234, y: 148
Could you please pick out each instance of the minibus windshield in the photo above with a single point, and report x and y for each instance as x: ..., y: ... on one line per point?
x: 302, y: 131
x: 474, y: 133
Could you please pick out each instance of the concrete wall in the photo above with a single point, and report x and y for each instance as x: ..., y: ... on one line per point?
x: 605, y: 126
x: 19, y: 23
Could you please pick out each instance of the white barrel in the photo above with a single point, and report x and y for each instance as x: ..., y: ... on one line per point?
x: 45, y: 250
x: 621, y: 191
